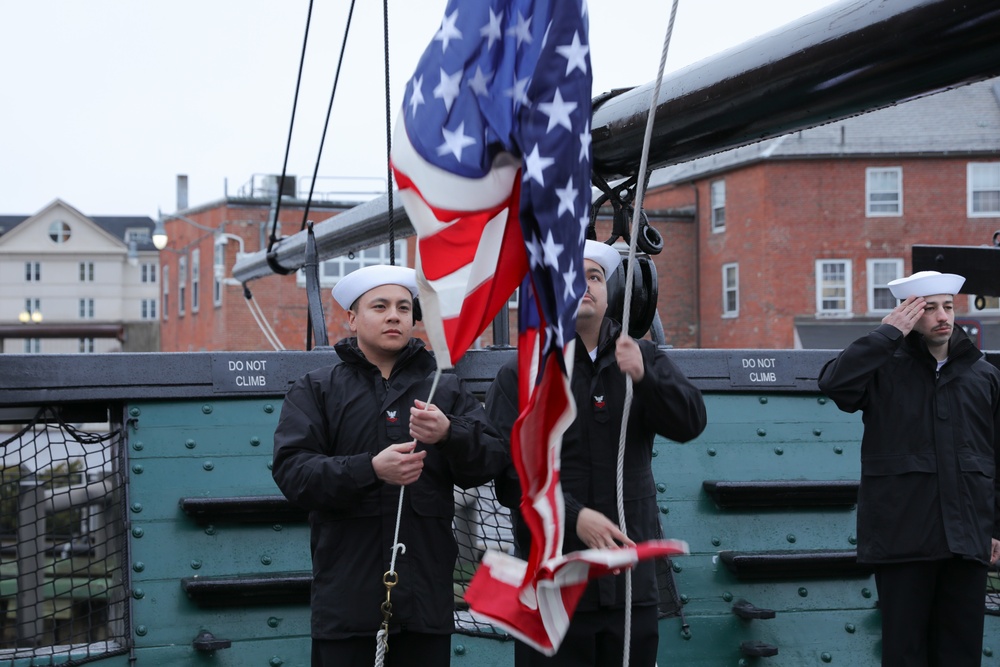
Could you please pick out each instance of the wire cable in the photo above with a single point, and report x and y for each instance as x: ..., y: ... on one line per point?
x: 291, y: 126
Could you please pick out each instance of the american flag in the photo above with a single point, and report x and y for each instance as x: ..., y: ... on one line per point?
x: 492, y: 160
x: 491, y: 154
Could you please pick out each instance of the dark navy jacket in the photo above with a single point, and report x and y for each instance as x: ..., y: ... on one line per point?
x: 333, y: 422
x: 929, y: 452
x: 664, y: 403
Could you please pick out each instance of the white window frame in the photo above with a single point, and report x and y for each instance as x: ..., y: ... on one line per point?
x: 717, y: 205
x: 32, y: 305
x: 332, y: 270
x: 149, y: 272
x: 33, y: 272
x: 218, y: 273
x: 86, y: 272
x: 871, y: 263
x: 992, y: 173
x: 60, y: 232
x: 728, y: 289
x: 32, y: 345
x: 147, y: 309
x: 182, y: 265
x: 166, y: 293
x: 871, y: 191
x: 195, y: 280
x: 846, y: 311
x: 86, y: 309
x: 86, y: 345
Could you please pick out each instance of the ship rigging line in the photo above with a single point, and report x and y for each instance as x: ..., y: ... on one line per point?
x: 626, y: 314
x: 271, y: 260
x: 326, y: 121
x: 388, y: 138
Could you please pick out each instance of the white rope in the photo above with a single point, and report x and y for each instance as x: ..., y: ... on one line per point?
x: 640, y: 187
x: 263, y: 325
x: 382, y: 637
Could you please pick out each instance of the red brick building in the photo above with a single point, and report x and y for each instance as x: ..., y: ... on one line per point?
x: 203, y: 308
x: 797, y: 236
x: 788, y: 243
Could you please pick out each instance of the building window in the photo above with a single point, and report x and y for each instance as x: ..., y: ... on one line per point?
x: 984, y: 189
x: 833, y: 287
x: 33, y: 306
x: 59, y: 232
x: 166, y: 291
x: 86, y: 309
x: 334, y: 269
x: 86, y: 272
x: 880, y: 272
x: 218, y: 273
x: 718, y: 189
x: 148, y: 270
x: 182, y: 281
x: 32, y: 346
x: 86, y: 346
x: 32, y: 272
x: 195, y: 279
x: 730, y: 290
x: 884, y: 191
x: 148, y: 309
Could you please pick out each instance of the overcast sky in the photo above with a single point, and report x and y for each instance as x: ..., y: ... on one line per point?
x: 104, y: 102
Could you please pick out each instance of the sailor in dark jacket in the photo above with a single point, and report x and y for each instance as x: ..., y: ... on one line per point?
x: 664, y: 403
x: 928, y: 518
x: 349, y: 435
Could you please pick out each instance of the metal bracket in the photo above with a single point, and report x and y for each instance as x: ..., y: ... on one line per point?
x: 206, y: 641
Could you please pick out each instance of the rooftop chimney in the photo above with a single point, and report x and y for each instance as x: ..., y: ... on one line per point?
x: 182, y: 192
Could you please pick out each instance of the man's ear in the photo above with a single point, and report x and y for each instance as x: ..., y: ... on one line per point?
x: 352, y: 317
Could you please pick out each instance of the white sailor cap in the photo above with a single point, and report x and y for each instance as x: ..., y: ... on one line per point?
x: 354, y: 284
x: 603, y: 254
x: 926, y: 283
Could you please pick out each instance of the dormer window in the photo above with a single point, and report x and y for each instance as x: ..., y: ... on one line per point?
x: 137, y: 234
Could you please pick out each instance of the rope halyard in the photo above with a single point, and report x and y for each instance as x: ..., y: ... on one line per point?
x: 630, y: 273
x: 391, y: 578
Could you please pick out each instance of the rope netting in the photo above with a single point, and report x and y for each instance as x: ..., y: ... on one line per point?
x: 62, y: 543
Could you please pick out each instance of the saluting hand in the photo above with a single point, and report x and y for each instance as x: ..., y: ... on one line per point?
x: 598, y: 531
x: 629, y: 358
x: 905, y: 315
x: 428, y: 424
x: 399, y: 464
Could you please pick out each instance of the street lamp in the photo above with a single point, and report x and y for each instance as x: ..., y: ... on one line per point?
x: 33, y: 317
x: 159, y: 234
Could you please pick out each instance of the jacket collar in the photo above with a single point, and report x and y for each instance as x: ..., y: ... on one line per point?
x: 605, y: 340
x: 959, y: 346
x: 349, y: 352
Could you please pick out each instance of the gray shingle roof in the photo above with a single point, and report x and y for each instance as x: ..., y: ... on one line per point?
x: 116, y: 225
x: 962, y: 120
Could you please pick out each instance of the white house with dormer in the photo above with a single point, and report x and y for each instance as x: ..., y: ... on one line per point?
x: 72, y: 283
